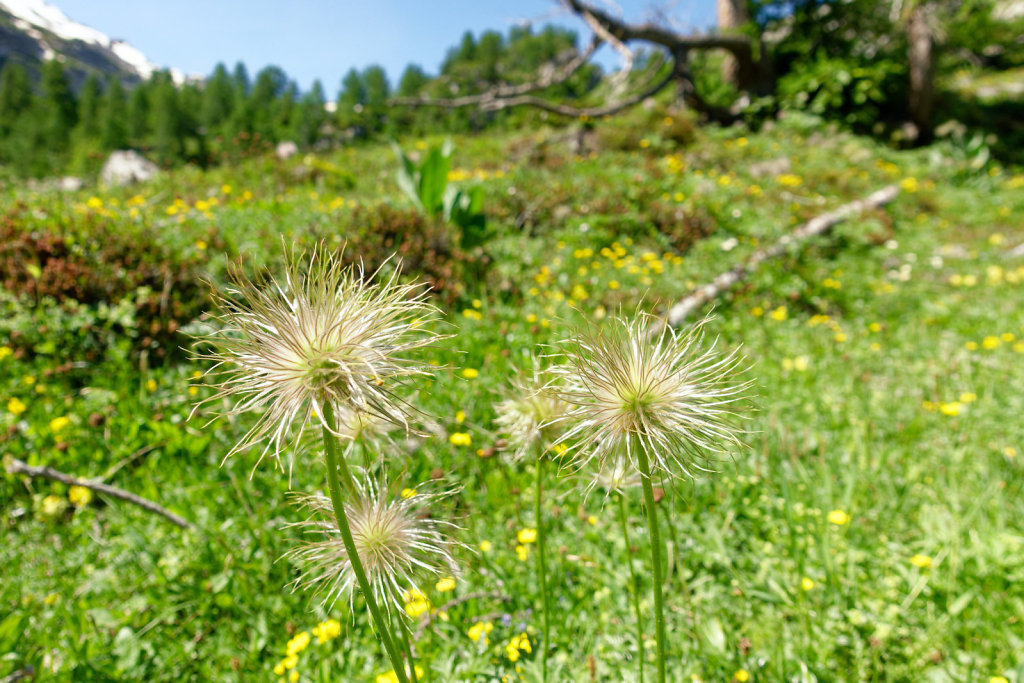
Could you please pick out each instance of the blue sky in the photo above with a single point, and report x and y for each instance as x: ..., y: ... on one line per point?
x: 322, y: 39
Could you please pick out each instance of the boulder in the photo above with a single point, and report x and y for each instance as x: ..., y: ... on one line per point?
x: 125, y: 167
x: 70, y: 183
x: 286, y: 150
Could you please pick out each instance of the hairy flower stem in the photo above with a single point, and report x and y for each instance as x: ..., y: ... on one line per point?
x: 634, y: 586
x: 407, y: 644
x: 334, y: 464
x: 542, y: 569
x: 652, y: 524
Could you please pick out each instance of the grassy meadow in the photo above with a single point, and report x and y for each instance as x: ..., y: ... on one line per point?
x: 870, y: 528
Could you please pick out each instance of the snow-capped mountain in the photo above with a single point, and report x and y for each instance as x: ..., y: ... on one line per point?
x: 33, y: 31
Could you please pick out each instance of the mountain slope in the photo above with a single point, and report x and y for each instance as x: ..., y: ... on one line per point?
x: 33, y: 31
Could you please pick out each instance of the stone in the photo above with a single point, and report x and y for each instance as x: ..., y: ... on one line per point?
x: 125, y: 167
x: 286, y: 150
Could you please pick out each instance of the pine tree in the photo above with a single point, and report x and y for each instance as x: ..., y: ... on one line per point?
x: 113, y: 123
x: 351, y: 99
x: 60, y: 110
x: 219, y: 99
x: 89, y: 108
x: 165, y: 119
x: 138, y: 114
x: 377, y: 91
x: 15, y: 95
x: 310, y: 117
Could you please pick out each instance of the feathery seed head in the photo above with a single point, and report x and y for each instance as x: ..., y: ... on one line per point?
x: 615, y: 476
x: 532, y: 406
x: 325, y: 336
x: 633, y: 387
x: 396, y: 539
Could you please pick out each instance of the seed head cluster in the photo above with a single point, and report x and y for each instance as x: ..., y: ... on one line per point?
x: 326, y: 337
x: 532, y: 406
x: 396, y: 538
x: 635, y: 386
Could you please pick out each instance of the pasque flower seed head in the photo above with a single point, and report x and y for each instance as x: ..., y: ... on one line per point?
x: 396, y: 538
x: 326, y: 336
x: 635, y: 385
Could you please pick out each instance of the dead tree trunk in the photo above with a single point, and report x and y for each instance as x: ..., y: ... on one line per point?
x: 732, y: 14
x: 921, y: 62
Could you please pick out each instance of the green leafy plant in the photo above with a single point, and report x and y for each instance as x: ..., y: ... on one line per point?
x: 428, y: 187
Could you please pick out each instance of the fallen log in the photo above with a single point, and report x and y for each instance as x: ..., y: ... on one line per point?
x: 816, y: 226
x: 15, y: 466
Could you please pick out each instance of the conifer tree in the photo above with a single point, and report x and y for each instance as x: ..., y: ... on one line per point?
x: 113, y: 123
x: 15, y: 95
x: 89, y: 101
x: 219, y: 99
x: 60, y: 111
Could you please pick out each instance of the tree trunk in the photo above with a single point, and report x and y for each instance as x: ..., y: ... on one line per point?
x: 921, y: 60
x: 732, y: 14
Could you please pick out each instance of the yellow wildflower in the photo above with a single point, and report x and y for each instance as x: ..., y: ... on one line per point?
x: 460, y: 439
x: 470, y: 373
x: 806, y: 583
x: 445, y: 585
x: 16, y: 407
x: 79, y: 496
x: 922, y: 561
x: 838, y: 517
x: 327, y: 630
x: 527, y: 535
x: 522, y: 552
x: 479, y: 631
x: 298, y: 643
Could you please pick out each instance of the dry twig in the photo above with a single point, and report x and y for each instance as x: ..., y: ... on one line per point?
x: 15, y: 466
x: 816, y: 226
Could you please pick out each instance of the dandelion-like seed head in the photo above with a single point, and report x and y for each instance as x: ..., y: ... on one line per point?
x: 532, y: 407
x: 396, y: 538
x: 615, y: 476
x: 326, y: 337
x: 637, y: 385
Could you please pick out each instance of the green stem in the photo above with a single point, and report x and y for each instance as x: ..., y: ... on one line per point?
x: 652, y: 524
x: 407, y: 644
x: 542, y: 569
x: 334, y: 465
x: 634, y: 586
x: 331, y: 449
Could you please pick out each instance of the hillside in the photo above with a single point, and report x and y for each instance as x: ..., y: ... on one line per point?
x: 33, y: 31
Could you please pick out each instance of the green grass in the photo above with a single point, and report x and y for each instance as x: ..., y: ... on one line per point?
x: 881, y: 410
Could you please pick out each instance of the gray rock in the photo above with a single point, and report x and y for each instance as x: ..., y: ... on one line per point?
x: 70, y: 184
x: 286, y: 150
x: 125, y: 167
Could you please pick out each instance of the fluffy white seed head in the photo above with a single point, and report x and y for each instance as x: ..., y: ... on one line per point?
x: 528, y: 414
x: 396, y: 538
x: 324, y: 337
x: 635, y: 385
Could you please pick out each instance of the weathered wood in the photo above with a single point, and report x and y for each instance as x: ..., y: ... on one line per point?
x: 701, y: 295
x: 15, y: 466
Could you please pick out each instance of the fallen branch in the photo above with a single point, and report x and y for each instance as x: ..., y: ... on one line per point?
x: 15, y: 466
x: 816, y: 226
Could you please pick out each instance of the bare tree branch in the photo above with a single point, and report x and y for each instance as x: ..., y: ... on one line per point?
x: 816, y: 226
x: 15, y: 466
x: 554, y: 75
x: 618, y: 81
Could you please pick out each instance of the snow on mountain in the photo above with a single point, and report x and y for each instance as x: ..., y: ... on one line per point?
x: 41, y: 20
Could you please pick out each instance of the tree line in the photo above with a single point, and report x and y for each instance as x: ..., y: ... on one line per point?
x: 47, y: 128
